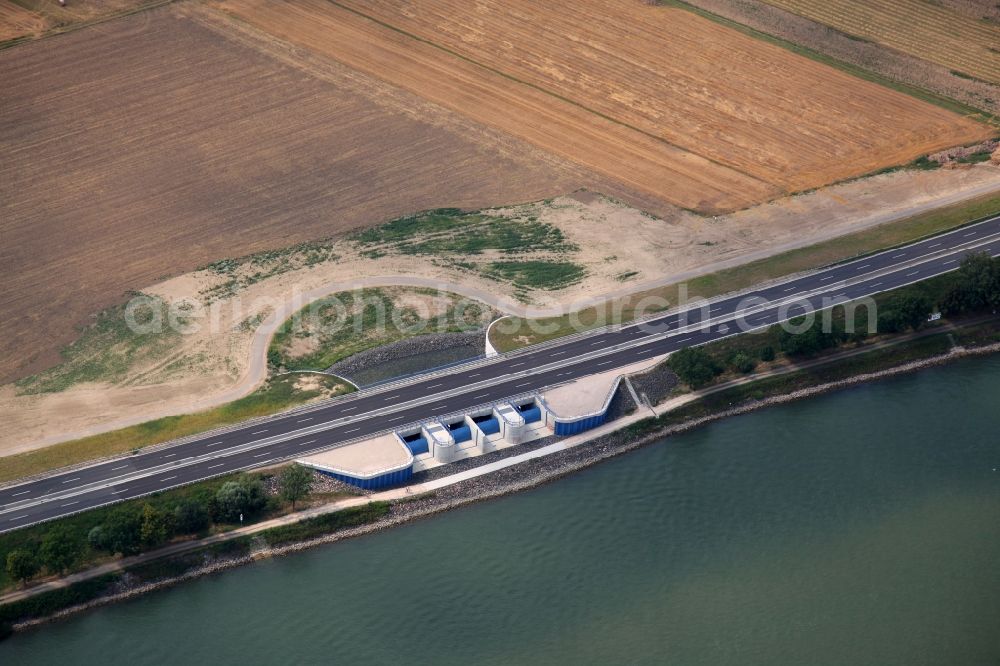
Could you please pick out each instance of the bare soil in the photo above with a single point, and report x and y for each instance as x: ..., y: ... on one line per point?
x: 154, y: 144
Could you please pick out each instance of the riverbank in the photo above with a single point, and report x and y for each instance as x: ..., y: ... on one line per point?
x: 500, y: 477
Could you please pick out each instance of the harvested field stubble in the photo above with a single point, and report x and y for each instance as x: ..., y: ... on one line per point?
x: 921, y: 28
x: 697, y: 113
x: 129, y: 155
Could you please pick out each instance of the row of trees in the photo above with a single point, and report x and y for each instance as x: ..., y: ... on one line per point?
x: 131, y: 528
x: 974, y: 287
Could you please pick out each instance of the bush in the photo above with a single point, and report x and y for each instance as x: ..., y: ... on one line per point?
x: 812, y: 340
x: 122, y: 532
x: 60, y: 550
x: 191, y: 517
x: 22, y: 565
x: 742, y: 362
x: 767, y: 354
x: 157, y: 526
x: 694, y: 366
x: 244, y: 497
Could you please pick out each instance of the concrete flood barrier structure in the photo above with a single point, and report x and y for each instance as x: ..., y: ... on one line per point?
x: 392, y: 458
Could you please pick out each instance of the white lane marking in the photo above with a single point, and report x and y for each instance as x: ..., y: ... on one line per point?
x: 311, y: 441
x: 214, y: 466
x: 213, y: 444
x: 485, y: 395
x: 398, y: 418
x: 168, y: 478
x: 119, y: 467
x: 391, y: 397
x: 18, y: 517
x: 912, y: 274
x: 862, y: 266
x: 596, y: 342
x: 604, y: 363
x: 475, y: 375
x: 897, y: 256
x: 935, y: 245
x: 349, y: 409
x: 76, y: 478
x: 876, y: 284
x: 23, y: 492
x: 827, y: 277
x: 791, y: 288
x: 950, y: 261
x: 170, y: 455
x: 352, y: 430
x: 524, y: 384
x: 261, y: 455
x: 70, y: 503
x: 304, y: 420
x: 684, y: 339
x: 558, y: 353
x: 971, y: 233
x: 434, y: 386
x: 517, y: 365
x: 259, y: 432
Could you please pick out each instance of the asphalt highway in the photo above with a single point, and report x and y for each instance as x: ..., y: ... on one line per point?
x: 460, y: 388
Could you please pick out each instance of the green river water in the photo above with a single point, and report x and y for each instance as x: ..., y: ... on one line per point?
x: 861, y: 527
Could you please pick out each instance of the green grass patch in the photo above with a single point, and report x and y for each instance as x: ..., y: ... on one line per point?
x: 513, y: 332
x: 276, y: 395
x: 537, y: 274
x: 108, y: 347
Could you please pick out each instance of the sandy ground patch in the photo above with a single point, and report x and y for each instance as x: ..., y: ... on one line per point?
x: 613, y: 239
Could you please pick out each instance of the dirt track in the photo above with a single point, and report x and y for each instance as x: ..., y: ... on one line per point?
x: 683, y: 108
x: 151, y: 145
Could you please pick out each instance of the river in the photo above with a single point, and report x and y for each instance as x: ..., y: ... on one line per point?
x: 860, y: 527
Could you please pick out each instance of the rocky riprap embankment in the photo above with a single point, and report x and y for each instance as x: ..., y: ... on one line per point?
x: 474, y: 341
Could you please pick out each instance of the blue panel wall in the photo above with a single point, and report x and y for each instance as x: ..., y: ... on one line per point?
x: 384, y: 481
x: 489, y: 426
x: 418, y: 446
x: 532, y: 415
x: 574, y: 427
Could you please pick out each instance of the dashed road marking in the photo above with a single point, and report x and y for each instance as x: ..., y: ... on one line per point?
x: 259, y: 432
x: 124, y: 466
x: 76, y: 478
x: 168, y: 478
x: 214, y: 466
x: 304, y: 420
x: 23, y: 492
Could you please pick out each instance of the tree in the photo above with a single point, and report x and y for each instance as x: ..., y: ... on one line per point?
x: 156, y: 527
x: 767, y: 354
x: 295, y: 483
x: 59, y: 550
x: 694, y: 366
x: 906, y: 310
x: 191, y: 517
x: 245, y: 496
x: 122, y: 532
x: 810, y: 341
x: 22, y: 564
x: 742, y: 362
x: 976, y: 286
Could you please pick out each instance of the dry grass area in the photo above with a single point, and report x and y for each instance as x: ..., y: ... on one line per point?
x: 945, y: 34
x: 205, y: 146
x: 699, y: 114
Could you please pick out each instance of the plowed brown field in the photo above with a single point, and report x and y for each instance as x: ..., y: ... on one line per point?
x: 16, y: 21
x: 128, y: 155
x: 676, y: 105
